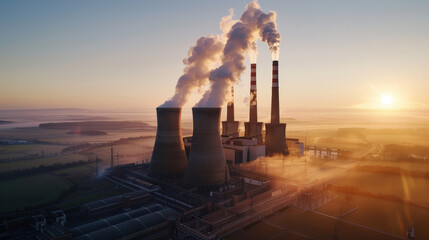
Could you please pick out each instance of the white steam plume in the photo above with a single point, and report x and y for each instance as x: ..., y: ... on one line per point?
x: 253, y: 52
x: 202, y: 58
x: 265, y: 24
x: 240, y: 38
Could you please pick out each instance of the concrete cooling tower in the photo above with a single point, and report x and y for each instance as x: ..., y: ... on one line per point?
x: 206, y: 164
x: 168, y: 157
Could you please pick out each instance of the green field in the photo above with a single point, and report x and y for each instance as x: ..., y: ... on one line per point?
x: 59, y: 136
x: 131, y: 152
x: 22, y: 150
x: 295, y: 223
x: 32, y: 163
x: 45, y: 188
x: 31, y: 190
x: 405, y: 187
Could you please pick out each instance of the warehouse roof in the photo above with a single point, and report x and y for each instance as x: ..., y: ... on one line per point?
x: 131, y: 226
x: 106, y: 222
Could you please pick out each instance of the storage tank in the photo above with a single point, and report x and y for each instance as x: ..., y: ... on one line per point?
x: 206, y: 164
x: 168, y: 157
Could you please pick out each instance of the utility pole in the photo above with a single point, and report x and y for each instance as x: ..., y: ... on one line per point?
x: 96, y: 166
x: 111, y: 156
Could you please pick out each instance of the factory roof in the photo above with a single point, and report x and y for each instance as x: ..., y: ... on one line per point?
x: 106, y: 222
x: 114, y: 200
x: 55, y: 231
x: 131, y: 226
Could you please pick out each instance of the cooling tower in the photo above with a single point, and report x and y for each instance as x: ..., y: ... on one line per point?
x: 253, y: 128
x: 230, y: 126
x: 275, y: 138
x: 168, y: 157
x: 206, y: 163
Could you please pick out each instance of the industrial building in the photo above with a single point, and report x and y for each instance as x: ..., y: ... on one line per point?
x: 328, y: 153
x: 295, y: 147
x: 241, y: 150
x: 194, y: 186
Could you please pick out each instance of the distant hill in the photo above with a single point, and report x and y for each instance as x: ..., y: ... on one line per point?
x: 5, y: 122
x: 97, y: 125
x: 87, y: 132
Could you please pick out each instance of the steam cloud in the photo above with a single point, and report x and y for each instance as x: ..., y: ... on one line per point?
x: 253, y: 52
x: 239, y: 37
x: 201, y: 59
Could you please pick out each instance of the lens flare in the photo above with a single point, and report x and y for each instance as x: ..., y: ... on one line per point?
x: 386, y: 100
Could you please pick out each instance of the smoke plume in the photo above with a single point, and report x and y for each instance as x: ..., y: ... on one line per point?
x: 264, y: 24
x: 243, y: 34
x: 253, y: 52
x: 202, y: 58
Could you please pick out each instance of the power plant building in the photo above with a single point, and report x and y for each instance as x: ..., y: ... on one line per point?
x: 242, y: 150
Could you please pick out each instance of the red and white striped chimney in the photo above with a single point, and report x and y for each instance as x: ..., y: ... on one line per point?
x: 275, y: 115
x: 253, y: 113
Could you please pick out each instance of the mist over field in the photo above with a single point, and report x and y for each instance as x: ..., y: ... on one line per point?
x: 297, y: 119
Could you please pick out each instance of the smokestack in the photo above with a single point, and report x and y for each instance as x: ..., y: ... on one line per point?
x: 168, y: 157
x: 230, y: 108
x: 275, y: 140
x: 253, y: 113
x: 253, y: 128
x: 230, y: 126
x: 275, y: 116
x: 206, y: 164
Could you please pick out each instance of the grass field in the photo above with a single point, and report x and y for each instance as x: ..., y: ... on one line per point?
x: 61, y: 137
x: 420, y: 166
x: 294, y: 223
x: 31, y: 163
x: 404, y: 187
x: 13, y: 151
x: 133, y: 151
x: 31, y: 190
x: 384, y: 215
x: 44, y: 188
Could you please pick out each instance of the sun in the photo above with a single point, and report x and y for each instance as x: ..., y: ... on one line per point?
x: 386, y: 100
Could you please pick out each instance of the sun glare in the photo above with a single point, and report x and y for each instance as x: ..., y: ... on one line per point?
x: 386, y: 100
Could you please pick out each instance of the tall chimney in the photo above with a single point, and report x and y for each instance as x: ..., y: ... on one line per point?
x: 275, y: 137
x: 230, y: 108
x: 168, y: 157
x: 275, y: 116
x: 253, y: 128
x: 253, y: 113
x: 230, y: 126
x: 206, y: 164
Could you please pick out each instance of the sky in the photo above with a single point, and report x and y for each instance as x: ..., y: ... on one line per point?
x: 128, y: 54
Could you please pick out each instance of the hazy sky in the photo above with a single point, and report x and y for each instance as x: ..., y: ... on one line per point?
x: 128, y: 54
